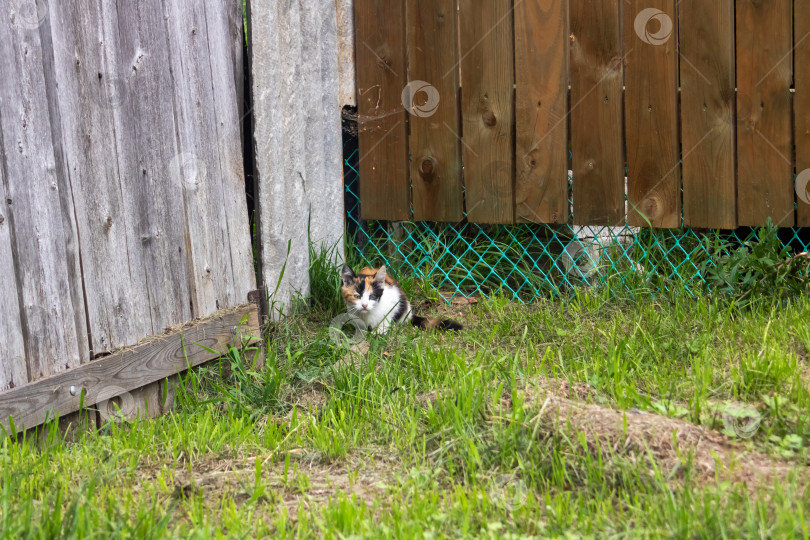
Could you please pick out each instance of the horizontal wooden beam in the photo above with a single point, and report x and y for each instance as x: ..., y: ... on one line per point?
x: 128, y: 369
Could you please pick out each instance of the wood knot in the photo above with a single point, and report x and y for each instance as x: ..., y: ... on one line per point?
x: 427, y: 169
x: 652, y: 208
x: 2, y: 219
x: 108, y: 222
x: 489, y: 118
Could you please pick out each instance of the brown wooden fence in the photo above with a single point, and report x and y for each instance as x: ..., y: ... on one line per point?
x: 482, y: 106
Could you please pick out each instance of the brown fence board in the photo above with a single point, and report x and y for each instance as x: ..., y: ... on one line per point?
x: 382, y: 127
x: 487, y: 105
x: 764, y: 74
x: 596, y: 100
x: 707, y: 113
x: 689, y: 99
x: 651, y: 102
x: 541, y: 105
x: 435, y: 143
x: 801, y: 105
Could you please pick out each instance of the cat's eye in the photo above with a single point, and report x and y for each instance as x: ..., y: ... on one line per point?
x: 372, y: 297
x: 356, y: 295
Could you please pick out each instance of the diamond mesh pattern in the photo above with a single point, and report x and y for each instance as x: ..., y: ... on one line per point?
x: 524, y: 261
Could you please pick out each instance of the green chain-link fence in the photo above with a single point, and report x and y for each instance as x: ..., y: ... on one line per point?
x: 527, y: 260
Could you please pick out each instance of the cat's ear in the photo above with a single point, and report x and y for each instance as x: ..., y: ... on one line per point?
x: 379, y: 277
x: 347, y: 275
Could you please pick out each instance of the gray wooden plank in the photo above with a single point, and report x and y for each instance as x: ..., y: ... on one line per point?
x: 44, y: 241
x: 69, y: 225
x: 145, y: 120
x: 116, y: 306
x: 13, y: 370
x: 323, y: 143
x: 279, y: 135
x: 225, y: 39
x: 128, y: 369
x: 114, y: 94
x: 289, y: 196
x: 347, y: 94
x: 195, y: 169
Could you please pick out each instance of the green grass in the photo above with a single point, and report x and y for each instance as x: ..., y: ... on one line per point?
x: 321, y: 442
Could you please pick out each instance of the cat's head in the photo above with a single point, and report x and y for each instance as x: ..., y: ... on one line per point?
x: 362, y: 291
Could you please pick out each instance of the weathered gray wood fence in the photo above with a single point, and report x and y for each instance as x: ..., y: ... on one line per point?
x: 122, y: 201
x: 300, y: 53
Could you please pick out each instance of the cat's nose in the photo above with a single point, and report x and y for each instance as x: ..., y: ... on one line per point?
x: 365, y: 306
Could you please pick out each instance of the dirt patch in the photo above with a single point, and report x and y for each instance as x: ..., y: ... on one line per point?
x: 308, y: 479
x: 668, y: 441
x: 312, y: 400
x: 561, y: 388
x: 557, y: 387
x: 355, y: 355
x: 671, y: 443
x: 453, y: 306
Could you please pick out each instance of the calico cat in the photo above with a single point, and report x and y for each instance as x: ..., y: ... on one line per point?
x: 377, y: 300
